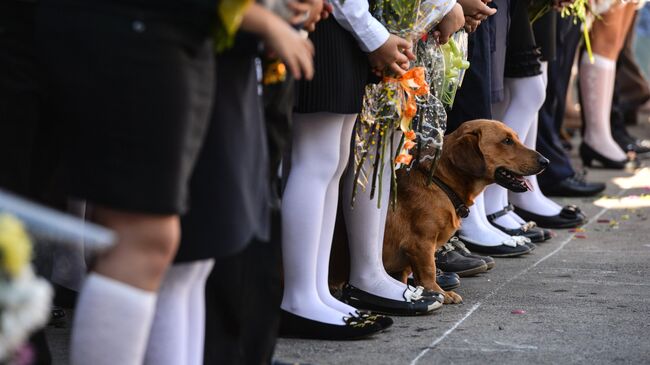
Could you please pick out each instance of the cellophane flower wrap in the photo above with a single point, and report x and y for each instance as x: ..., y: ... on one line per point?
x: 24, y: 298
x: 405, y: 103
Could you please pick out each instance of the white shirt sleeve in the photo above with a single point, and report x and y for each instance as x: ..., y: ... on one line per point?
x: 354, y: 16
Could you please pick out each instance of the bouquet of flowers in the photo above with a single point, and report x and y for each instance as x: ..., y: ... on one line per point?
x: 403, y: 103
x: 24, y: 298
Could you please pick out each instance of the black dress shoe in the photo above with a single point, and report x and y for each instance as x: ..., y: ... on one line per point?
x: 573, y: 186
x: 294, y: 326
x: 461, y: 249
x: 588, y: 155
x: 570, y: 217
x: 384, y: 321
x: 447, y: 259
x: 497, y: 251
x: 447, y: 280
x: 407, y: 307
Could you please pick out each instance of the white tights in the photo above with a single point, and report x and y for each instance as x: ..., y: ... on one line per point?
x: 178, y: 330
x: 365, y: 225
x: 320, y: 150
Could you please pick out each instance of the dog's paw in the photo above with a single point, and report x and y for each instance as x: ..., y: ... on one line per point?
x: 452, y: 298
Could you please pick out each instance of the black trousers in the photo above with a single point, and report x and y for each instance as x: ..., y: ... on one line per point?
x: 243, y: 296
x: 551, y: 116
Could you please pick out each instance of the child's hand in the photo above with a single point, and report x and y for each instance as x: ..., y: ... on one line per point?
x: 296, y: 52
x: 471, y: 24
x: 450, y: 24
x: 394, y: 54
x: 476, y: 9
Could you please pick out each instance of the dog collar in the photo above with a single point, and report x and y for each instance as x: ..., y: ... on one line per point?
x: 461, y: 208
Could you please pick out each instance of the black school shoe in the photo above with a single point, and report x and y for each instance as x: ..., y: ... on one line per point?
x: 461, y: 249
x: 570, y: 217
x: 450, y: 260
x: 355, y: 328
x: 384, y: 321
x: 498, y: 251
x: 410, y: 306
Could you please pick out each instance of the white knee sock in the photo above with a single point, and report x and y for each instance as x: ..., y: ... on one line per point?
x: 112, y: 323
x: 365, y: 225
x: 314, y: 163
x: 168, y: 342
x: 597, y: 87
x: 477, y: 229
x: 196, y: 314
x: 329, y: 220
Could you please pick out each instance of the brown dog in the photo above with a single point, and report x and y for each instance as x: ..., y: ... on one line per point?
x: 477, y: 154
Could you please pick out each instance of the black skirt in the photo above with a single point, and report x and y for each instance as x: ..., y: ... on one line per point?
x: 522, y: 56
x: 342, y: 72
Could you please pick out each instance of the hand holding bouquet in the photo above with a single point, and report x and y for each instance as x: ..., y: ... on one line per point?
x: 400, y: 97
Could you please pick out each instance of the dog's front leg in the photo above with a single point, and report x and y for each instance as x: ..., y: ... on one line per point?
x: 423, y: 262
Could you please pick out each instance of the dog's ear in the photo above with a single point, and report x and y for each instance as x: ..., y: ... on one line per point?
x: 466, y: 155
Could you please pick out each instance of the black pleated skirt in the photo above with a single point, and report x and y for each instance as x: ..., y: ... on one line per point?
x: 341, y: 73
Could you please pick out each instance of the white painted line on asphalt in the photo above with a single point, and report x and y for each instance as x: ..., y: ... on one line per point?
x: 449, y: 331
x: 493, y: 292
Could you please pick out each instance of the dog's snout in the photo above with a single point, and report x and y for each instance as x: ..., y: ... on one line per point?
x: 542, y: 161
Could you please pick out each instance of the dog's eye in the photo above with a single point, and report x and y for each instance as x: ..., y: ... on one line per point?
x: 508, y: 141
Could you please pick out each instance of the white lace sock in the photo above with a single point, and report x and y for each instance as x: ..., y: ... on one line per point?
x: 597, y: 87
x: 169, y: 342
x: 477, y: 229
x: 329, y: 220
x: 196, y: 315
x: 365, y: 225
x: 315, y: 158
x: 112, y: 323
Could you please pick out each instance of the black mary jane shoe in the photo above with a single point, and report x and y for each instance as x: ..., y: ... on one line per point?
x: 588, y: 155
x: 498, y: 251
x: 410, y: 306
x: 355, y: 328
x: 527, y: 230
x: 570, y: 217
x: 384, y: 321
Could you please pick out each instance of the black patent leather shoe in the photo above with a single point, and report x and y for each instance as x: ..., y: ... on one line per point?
x: 384, y: 321
x: 410, y: 306
x: 450, y: 260
x: 497, y: 251
x: 573, y: 186
x: 570, y: 217
x: 294, y: 326
x: 588, y: 155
